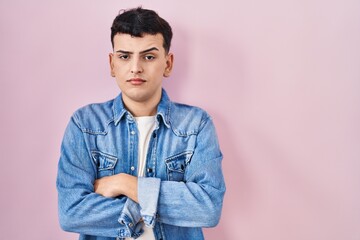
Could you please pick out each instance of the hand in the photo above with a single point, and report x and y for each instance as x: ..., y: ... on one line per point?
x: 116, y: 185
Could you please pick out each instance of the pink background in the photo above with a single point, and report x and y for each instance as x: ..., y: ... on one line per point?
x: 281, y: 79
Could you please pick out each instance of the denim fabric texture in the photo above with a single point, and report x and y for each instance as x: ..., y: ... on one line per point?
x: 181, y: 193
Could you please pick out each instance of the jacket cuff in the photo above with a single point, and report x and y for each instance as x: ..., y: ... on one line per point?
x: 130, y: 220
x: 148, y: 195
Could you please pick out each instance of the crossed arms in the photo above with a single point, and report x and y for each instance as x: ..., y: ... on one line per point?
x: 108, y: 206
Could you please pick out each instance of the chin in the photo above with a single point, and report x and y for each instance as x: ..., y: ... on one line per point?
x: 138, y: 96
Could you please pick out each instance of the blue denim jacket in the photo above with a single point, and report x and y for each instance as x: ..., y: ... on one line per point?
x: 183, y: 188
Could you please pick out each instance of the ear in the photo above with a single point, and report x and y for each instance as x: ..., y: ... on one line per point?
x: 111, y: 59
x: 169, y: 64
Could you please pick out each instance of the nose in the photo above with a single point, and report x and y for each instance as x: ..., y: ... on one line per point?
x: 136, y: 66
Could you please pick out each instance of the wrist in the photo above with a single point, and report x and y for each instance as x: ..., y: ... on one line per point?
x: 129, y: 186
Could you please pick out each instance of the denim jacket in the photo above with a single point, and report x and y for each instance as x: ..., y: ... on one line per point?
x: 183, y: 188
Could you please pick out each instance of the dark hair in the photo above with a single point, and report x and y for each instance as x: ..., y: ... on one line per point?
x: 139, y: 21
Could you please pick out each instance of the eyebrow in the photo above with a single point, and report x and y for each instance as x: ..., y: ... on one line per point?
x: 142, y: 52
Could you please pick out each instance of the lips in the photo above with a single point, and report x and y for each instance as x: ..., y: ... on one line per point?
x: 136, y: 81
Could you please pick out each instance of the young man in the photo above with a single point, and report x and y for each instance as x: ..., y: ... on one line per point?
x: 140, y: 166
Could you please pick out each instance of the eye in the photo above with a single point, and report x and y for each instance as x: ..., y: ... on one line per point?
x: 124, y: 57
x: 149, y: 57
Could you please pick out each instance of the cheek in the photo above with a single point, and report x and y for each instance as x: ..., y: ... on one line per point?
x: 120, y: 71
x: 120, y: 76
x: 160, y: 68
x: 158, y: 73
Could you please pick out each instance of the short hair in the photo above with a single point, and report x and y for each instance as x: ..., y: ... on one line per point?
x: 139, y: 21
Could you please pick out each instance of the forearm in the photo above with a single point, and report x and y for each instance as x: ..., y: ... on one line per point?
x: 190, y: 204
x: 83, y: 211
x: 117, y: 185
x: 89, y: 213
x: 198, y: 206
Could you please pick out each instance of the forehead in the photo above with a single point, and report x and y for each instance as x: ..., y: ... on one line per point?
x: 127, y: 42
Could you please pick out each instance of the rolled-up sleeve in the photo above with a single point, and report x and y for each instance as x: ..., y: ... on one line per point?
x: 148, y: 194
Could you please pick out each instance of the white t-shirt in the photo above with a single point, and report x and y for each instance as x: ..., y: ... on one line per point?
x: 146, y: 126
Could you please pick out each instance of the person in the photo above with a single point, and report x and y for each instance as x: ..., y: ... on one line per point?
x: 140, y: 166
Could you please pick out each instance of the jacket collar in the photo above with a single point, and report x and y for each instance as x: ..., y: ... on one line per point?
x: 163, y: 109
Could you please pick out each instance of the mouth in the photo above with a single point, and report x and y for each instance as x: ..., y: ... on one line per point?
x: 136, y: 81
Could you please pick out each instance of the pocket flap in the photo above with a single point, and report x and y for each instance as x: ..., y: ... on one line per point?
x: 103, y: 161
x: 179, y: 162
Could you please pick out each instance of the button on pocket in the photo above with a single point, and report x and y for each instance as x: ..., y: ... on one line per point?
x: 105, y: 163
x: 176, y: 166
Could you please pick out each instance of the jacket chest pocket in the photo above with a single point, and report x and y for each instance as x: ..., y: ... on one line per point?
x: 176, y: 166
x: 105, y: 163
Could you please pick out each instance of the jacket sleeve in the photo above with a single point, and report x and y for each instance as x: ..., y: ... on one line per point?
x: 196, y: 202
x: 82, y: 210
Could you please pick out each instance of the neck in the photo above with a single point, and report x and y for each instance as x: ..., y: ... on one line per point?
x: 142, y: 109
